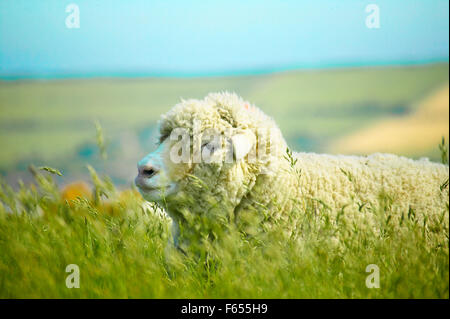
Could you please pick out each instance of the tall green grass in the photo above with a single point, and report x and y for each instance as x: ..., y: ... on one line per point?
x: 122, y: 250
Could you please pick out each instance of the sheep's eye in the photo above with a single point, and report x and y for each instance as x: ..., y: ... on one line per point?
x: 210, y: 147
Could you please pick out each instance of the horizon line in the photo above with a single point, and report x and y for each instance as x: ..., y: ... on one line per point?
x: 49, y: 75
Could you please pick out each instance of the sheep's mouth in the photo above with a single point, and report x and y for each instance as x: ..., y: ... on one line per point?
x: 150, y: 188
x: 142, y: 185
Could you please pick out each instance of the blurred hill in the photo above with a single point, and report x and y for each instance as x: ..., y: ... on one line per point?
x: 413, y: 134
x: 341, y: 110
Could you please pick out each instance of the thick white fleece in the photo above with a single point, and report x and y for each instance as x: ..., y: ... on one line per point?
x: 227, y: 192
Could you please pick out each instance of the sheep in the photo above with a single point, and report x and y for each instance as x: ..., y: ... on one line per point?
x: 224, y: 179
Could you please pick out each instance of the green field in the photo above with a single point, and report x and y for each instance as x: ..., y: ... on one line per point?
x: 121, y: 251
x: 52, y: 122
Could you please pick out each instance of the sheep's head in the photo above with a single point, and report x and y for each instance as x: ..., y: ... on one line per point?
x: 210, y: 155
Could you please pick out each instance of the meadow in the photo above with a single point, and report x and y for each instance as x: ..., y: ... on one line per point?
x: 122, y: 250
x: 121, y: 246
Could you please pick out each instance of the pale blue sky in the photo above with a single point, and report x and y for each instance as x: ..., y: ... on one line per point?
x: 185, y: 38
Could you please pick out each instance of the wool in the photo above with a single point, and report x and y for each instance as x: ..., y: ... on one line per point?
x: 226, y: 192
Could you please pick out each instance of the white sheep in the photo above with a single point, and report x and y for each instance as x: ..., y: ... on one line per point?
x: 224, y: 188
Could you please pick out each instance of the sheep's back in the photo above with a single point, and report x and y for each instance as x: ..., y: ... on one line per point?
x: 374, y: 180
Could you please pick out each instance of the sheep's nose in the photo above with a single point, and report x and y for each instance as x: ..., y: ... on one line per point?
x: 147, y: 171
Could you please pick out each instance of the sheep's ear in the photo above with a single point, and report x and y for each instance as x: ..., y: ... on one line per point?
x: 242, y: 144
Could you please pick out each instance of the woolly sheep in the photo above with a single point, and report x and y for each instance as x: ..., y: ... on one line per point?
x: 225, y: 191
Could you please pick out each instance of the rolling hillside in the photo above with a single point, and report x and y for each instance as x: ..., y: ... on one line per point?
x: 414, y: 134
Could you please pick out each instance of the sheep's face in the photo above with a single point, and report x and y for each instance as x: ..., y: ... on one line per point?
x: 209, y: 152
x: 180, y: 155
